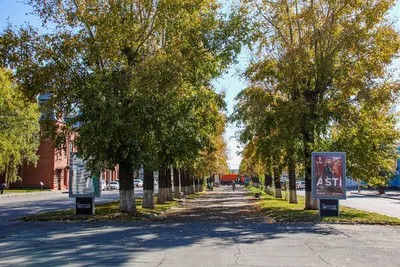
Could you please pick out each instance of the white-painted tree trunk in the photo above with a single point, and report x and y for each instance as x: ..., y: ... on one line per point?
x: 313, y: 202
x: 292, y: 197
x: 170, y: 196
x: 184, y: 189
x: 201, y: 186
x: 162, y: 195
x: 278, y: 193
x: 268, y: 190
x: 148, y: 199
x: 127, y: 200
x: 192, y: 186
x: 176, y: 192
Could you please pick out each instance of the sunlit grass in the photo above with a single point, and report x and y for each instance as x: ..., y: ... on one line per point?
x: 105, y: 211
x: 279, y: 210
x: 13, y: 191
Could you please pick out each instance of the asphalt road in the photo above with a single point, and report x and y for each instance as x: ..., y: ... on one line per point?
x: 220, y: 242
x: 384, y: 206
x: 18, y: 206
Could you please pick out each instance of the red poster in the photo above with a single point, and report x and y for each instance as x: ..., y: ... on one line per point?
x: 328, y: 175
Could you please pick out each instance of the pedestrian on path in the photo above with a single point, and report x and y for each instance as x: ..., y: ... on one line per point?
x: 209, y: 186
x: 233, y: 185
x: 3, y: 186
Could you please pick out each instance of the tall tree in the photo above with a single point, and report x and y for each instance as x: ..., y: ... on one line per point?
x: 119, y: 67
x: 177, y: 184
x: 327, y: 56
x: 148, y: 188
x: 370, y: 144
x: 19, y: 128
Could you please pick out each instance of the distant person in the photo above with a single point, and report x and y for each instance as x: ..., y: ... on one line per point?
x: 209, y: 186
x: 3, y: 186
x: 233, y: 185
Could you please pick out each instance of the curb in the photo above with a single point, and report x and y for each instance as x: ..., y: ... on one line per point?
x: 374, y: 195
x: 30, y: 194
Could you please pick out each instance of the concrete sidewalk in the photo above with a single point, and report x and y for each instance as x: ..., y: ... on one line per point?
x: 374, y: 193
x: 222, y: 228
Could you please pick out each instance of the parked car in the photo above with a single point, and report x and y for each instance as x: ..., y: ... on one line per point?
x: 113, y: 186
x: 301, y: 185
x: 138, y: 183
x: 103, y: 185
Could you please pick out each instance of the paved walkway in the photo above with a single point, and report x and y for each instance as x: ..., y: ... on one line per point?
x: 221, y: 205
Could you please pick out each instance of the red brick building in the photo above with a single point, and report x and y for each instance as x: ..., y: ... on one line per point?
x: 52, y: 168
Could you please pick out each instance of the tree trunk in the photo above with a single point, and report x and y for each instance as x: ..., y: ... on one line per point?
x: 277, y: 181
x: 381, y: 190
x: 201, y: 185
x: 184, y: 182
x: 126, y: 188
x: 176, y: 183
x: 6, y: 176
x: 193, y: 184
x: 162, y: 185
x: 148, y: 189
x: 189, y: 181
x: 292, y: 180
x: 170, y: 196
x: 310, y: 203
x: 268, y: 183
x: 268, y: 177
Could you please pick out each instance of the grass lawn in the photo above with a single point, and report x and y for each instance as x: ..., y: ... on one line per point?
x: 105, y: 211
x: 280, y: 211
x: 13, y: 191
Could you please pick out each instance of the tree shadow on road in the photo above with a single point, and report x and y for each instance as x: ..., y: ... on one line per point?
x: 113, y: 243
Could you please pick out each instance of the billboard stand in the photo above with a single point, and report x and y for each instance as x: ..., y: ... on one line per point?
x: 328, y: 181
x: 328, y: 207
x: 84, y: 205
x: 84, y: 185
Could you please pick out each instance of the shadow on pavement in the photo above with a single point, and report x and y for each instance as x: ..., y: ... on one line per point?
x: 216, y: 221
x: 113, y: 243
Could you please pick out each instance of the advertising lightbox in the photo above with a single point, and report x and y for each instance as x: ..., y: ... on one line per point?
x: 82, y: 182
x: 329, y: 175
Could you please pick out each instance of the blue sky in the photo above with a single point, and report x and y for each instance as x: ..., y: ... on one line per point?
x: 16, y: 13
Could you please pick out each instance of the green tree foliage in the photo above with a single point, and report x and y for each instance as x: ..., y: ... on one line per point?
x: 371, y: 145
x: 329, y: 60
x: 251, y: 163
x: 19, y: 129
x: 132, y: 75
x: 213, y: 159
